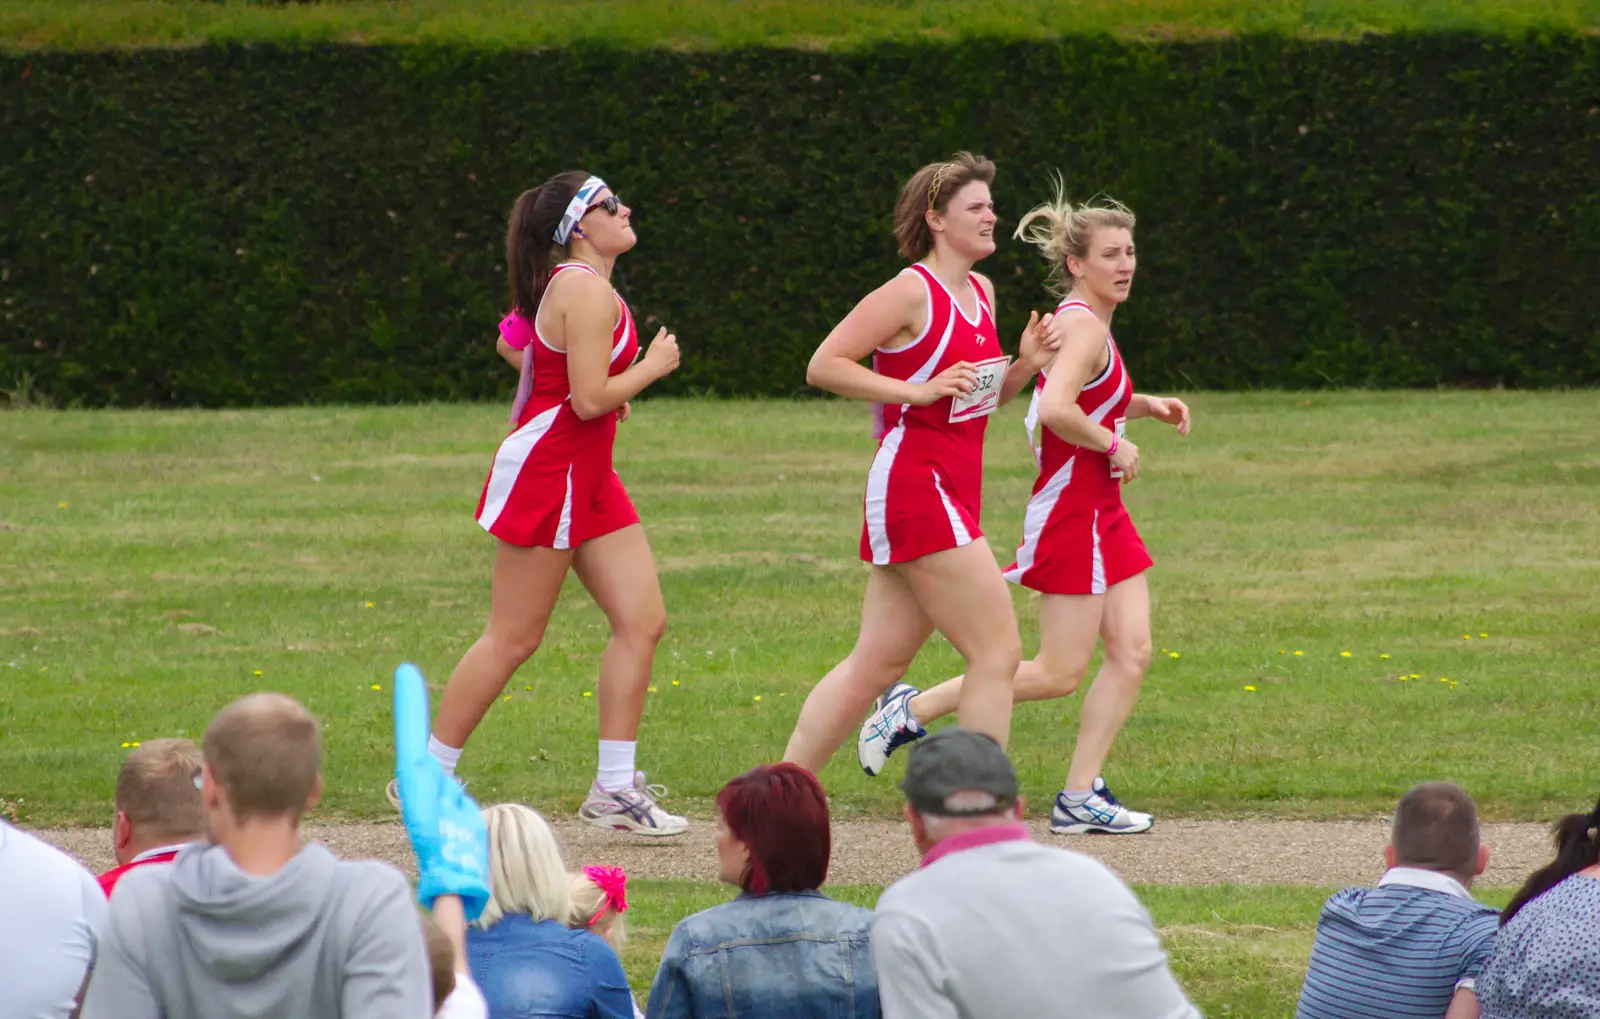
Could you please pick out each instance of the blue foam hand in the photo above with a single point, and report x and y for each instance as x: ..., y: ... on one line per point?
x: 444, y: 824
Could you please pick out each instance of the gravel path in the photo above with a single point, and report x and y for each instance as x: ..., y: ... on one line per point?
x: 878, y: 852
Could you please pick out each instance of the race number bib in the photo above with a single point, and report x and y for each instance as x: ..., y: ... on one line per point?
x: 985, y: 395
x: 1121, y: 428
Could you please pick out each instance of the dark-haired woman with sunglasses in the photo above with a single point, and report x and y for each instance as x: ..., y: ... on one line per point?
x: 552, y: 499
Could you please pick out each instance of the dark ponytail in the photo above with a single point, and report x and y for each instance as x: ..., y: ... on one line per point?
x: 1576, y: 849
x: 531, y: 249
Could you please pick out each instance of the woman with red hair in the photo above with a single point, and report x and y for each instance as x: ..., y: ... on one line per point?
x: 781, y: 947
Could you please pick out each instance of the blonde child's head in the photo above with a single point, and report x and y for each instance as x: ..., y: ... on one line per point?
x: 599, y: 898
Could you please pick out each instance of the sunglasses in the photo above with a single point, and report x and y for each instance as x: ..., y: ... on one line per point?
x: 610, y: 203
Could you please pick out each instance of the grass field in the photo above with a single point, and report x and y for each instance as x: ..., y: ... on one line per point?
x: 1237, y: 950
x: 27, y: 25
x: 154, y: 565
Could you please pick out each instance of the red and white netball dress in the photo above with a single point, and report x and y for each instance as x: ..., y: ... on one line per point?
x: 552, y: 483
x: 1077, y: 537
x: 925, y: 488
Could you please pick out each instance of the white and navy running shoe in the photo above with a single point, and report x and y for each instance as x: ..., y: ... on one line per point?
x: 633, y: 810
x: 889, y: 728
x: 1100, y: 814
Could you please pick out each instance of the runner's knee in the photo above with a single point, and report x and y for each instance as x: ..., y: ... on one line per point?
x: 999, y: 655
x: 515, y: 645
x: 1061, y: 679
x: 646, y: 627
x: 1131, y: 654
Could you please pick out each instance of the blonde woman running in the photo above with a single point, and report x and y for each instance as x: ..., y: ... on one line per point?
x: 1080, y: 550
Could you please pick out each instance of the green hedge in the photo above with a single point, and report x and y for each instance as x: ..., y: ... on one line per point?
x: 255, y: 225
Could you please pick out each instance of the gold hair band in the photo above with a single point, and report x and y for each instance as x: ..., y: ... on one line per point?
x: 940, y: 175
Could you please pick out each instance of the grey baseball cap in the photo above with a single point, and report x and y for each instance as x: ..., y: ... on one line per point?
x: 959, y: 760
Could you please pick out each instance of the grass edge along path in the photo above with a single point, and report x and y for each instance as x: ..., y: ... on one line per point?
x: 698, y: 25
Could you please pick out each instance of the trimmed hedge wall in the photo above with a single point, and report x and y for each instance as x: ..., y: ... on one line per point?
x: 249, y: 225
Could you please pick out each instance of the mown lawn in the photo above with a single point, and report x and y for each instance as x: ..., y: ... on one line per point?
x: 1409, y: 581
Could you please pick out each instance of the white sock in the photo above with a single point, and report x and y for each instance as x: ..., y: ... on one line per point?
x: 446, y: 756
x: 1077, y: 796
x: 616, y: 764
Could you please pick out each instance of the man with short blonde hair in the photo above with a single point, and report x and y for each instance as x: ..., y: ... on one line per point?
x: 256, y: 923
x: 158, y: 807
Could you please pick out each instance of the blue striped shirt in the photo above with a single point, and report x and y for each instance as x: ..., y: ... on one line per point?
x: 1398, y: 951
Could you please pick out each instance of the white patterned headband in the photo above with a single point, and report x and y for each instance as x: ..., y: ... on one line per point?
x: 576, y: 208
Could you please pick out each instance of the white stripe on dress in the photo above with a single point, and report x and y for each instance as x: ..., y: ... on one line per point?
x: 1100, y: 412
x: 1097, y: 578
x: 509, y: 460
x: 957, y: 528
x: 1038, y: 515
x: 877, y: 504
x: 878, y: 494
x: 564, y: 526
x: 1031, y: 423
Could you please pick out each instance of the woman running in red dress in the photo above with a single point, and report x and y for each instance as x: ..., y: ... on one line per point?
x: 1080, y: 549
x: 937, y: 373
x: 553, y: 501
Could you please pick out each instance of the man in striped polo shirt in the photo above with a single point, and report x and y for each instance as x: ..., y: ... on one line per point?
x: 1412, y: 947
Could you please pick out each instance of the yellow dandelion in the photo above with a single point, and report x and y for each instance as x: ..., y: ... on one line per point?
x: 125, y: 744
x: 61, y: 505
x: 257, y: 672
x: 1172, y: 654
x: 1163, y: 650
x: 529, y: 689
x: 674, y: 682
x: 1344, y: 654
x: 588, y: 693
x: 652, y: 689
x: 1299, y: 654
x: 1405, y: 679
x: 135, y: 742
x: 369, y: 605
x: 377, y: 686
x: 1443, y: 679
x: 1281, y: 651
x: 783, y: 695
x: 1383, y: 658
x: 1454, y: 684
x: 1251, y: 689
x: 1466, y: 636
x: 758, y: 698
x: 1483, y: 635
x: 507, y: 697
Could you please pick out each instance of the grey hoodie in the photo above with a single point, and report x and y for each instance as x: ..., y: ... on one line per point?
x: 323, y: 938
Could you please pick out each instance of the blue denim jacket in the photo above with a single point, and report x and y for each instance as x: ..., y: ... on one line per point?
x: 780, y: 956
x: 527, y: 969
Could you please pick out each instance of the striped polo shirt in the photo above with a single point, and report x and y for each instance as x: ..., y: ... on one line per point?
x: 1397, y: 951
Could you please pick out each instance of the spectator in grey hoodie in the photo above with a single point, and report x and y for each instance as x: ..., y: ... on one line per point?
x: 254, y: 924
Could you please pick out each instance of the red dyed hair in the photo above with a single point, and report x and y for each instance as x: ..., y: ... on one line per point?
x: 780, y: 812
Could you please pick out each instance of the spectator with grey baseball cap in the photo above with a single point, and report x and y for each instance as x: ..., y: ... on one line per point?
x: 995, y: 925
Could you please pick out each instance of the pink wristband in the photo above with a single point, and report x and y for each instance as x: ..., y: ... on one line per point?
x: 1112, y: 449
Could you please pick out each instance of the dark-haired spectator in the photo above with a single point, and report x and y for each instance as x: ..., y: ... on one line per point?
x: 52, y: 922
x: 526, y: 960
x: 781, y: 948
x: 1546, y: 963
x: 257, y: 924
x: 994, y: 924
x: 158, y: 806
x: 1413, y: 947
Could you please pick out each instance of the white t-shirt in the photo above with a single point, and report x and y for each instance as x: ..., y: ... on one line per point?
x: 465, y: 1002
x: 52, y: 914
